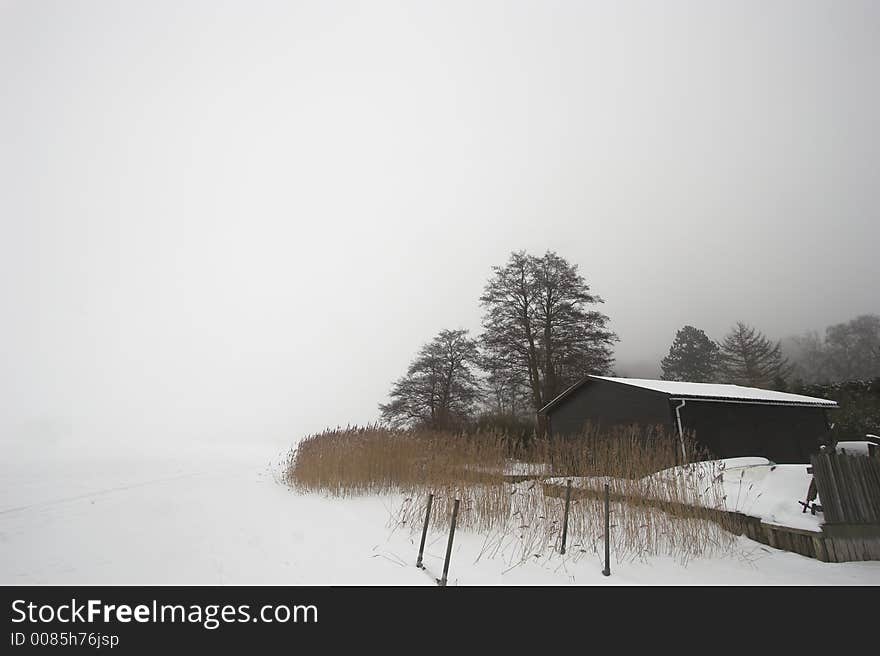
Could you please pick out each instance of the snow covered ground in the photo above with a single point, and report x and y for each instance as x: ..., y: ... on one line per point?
x: 752, y: 486
x: 771, y: 492
x: 214, y: 514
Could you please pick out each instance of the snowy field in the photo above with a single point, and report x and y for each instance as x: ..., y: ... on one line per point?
x: 215, y: 514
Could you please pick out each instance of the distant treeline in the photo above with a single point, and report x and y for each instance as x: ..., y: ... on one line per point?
x: 859, y: 401
x: 848, y: 351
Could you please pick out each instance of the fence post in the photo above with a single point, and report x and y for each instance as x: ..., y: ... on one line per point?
x: 565, y: 516
x: 442, y: 581
x: 607, y: 570
x: 425, y: 531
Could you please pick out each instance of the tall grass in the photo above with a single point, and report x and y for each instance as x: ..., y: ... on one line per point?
x: 371, y: 459
x: 652, y: 510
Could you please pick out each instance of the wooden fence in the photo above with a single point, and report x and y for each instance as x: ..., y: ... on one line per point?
x: 849, y: 488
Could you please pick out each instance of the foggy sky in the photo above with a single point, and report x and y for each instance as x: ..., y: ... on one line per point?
x: 243, y: 219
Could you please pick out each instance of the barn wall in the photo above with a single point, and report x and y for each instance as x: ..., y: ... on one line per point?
x: 784, y: 434
x: 607, y: 403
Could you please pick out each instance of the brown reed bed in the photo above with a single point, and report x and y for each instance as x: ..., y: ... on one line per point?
x: 652, y: 513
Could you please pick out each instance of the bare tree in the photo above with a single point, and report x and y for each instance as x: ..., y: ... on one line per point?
x: 853, y: 348
x: 808, y: 356
x: 538, y: 324
x: 440, y: 388
x: 849, y: 351
x: 749, y: 358
x: 506, y: 390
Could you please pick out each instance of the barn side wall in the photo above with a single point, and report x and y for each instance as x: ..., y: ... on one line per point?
x: 784, y: 434
x: 607, y: 403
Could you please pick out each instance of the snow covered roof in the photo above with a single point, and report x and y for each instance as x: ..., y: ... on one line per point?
x: 706, y: 392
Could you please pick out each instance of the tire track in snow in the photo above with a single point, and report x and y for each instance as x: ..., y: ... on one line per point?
x: 103, y: 492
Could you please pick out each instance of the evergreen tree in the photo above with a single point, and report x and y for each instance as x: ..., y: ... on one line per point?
x: 692, y: 357
x: 749, y: 358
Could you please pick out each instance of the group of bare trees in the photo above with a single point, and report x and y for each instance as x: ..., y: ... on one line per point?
x: 848, y: 351
x: 541, y: 334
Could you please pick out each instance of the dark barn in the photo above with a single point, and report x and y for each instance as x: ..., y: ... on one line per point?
x: 729, y: 420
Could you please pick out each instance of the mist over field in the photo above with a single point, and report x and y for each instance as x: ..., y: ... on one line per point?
x: 239, y: 221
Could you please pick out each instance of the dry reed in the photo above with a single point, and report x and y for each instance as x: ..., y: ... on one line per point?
x: 653, y: 510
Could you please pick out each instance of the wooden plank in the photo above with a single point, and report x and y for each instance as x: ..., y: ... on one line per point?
x: 855, y: 476
x: 844, y: 483
x: 862, y: 548
x: 871, y: 531
x: 791, y: 529
x: 854, y: 471
x: 844, y: 479
x: 851, y: 495
x: 828, y: 493
x: 833, y: 495
x: 873, y: 482
x: 831, y: 550
x: 806, y: 546
x: 871, y: 514
x: 865, y: 488
x: 847, y: 493
x: 861, y: 471
x: 857, y: 501
x: 824, y: 490
x: 771, y: 537
x: 750, y: 530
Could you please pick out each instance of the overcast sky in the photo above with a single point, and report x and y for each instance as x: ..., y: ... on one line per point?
x: 242, y: 219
